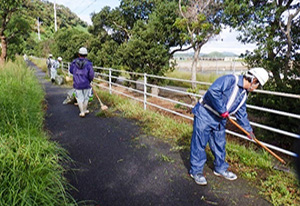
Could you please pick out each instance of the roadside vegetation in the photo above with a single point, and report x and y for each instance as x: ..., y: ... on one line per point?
x: 209, y: 77
x: 248, y: 160
x: 31, y: 165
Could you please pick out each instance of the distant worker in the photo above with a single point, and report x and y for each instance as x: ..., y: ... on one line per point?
x: 226, y: 96
x: 83, y: 75
x: 25, y: 57
x: 58, y: 62
x: 50, y: 63
x: 53, y: 69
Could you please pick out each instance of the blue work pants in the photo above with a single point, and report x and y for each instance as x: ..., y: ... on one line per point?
x: 207, y: 128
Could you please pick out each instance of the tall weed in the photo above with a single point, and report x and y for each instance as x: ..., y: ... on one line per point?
x: 30, y: 164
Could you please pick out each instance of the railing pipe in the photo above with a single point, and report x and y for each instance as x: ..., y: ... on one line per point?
x: 110, y: 81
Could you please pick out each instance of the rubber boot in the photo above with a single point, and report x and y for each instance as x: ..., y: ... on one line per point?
x: 80, y: 105
x: 85, y: 105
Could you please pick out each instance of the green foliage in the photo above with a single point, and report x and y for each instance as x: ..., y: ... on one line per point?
x: 282, y: 189
x: 44, y: 11
x: 187, y: 75
x: 9, y: 6
x: 260, y: 23
x: 31, y: 173
x: 141, y: 34
x: 68, y: 41
x: 197, y: 27
x: 286, y: 104
x: 21, y: 29
x: 104, y: 54
x: 17, y: 32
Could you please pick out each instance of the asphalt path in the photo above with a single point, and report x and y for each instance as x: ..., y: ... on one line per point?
x: 115, y: 163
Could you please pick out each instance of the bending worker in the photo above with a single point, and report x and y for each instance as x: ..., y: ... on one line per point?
x: 226, y: 96
x: 83, y: 75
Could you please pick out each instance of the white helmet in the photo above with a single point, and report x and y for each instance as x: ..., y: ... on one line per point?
x: 83, y: 51
x: 50, y: 56
x: 59, y: 59
x: 260, y: 74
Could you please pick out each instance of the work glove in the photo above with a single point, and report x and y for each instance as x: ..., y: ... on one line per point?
x: 225, y: 114
x: 251, y: 136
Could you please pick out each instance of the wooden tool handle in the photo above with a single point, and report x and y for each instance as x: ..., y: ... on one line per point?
x: 258, y: 142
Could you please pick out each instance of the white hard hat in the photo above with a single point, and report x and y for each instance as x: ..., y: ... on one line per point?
x: 83, y: 51
x: 260, y: 74
x: 59, y: 59
x: 50, y: 55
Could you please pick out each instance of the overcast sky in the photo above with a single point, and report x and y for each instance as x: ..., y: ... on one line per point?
x: 226, y: 41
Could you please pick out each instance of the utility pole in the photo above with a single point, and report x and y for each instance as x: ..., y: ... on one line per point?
x: 38, y: 23
x: 55, y: 23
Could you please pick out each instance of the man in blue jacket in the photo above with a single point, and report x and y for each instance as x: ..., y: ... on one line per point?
x: 226, y: 96
x: 83, y: 75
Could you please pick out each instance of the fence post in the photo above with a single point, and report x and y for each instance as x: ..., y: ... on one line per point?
x: 145, y: 91
x: 69, y: 74
x: 109, y: 80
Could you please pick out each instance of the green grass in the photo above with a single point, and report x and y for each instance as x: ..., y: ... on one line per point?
x: 30, y: 164
x: 187, y: 76
x: 40, y: 63
x: 250, y: 162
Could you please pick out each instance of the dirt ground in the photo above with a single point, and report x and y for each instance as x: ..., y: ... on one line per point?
x: 115, y: 163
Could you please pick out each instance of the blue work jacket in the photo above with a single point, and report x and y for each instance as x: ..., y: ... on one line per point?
x: 225, y: 94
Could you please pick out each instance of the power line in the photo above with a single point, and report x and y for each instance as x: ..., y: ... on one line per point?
x: 79, y: 5
x: 87, y: 7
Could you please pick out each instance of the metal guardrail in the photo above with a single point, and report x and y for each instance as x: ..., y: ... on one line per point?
x: 144, y: 94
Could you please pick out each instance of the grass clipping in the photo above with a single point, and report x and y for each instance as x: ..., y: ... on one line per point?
x: 280, y: 188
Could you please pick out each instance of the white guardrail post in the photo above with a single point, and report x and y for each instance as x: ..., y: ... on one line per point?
x: 145, y: 91
x: 109, y: 76
x: 69, y: 74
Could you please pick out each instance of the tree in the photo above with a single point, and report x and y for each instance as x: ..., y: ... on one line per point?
x: 144, y: 31
x: 68, y: 42
x: 149, y: 48
x: 7, y: 9
x: 274, y: 27
x: 200, y: 21
x: 17, y: 32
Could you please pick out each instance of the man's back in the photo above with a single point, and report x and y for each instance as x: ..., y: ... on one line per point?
x: 83, y: 73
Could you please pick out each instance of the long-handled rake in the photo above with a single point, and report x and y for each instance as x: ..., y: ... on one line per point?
x: 258, y: 142
x: 103, y: 106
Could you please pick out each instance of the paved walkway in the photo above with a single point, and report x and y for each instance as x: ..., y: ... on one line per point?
x: 116, y: 164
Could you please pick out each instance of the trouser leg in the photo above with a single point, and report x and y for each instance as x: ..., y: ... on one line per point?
x: 85, y: 107
x: 81, y: 107
x: 80, y: 100
x: 217, y: 143
x: 198, y: 144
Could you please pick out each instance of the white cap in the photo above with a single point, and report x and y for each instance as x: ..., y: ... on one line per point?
x: 83, y: 51
x: 260, y: 74
x: 59, y: 59
x: 50, y: 55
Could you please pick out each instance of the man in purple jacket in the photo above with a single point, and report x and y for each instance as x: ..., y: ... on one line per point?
x: 83, y: 75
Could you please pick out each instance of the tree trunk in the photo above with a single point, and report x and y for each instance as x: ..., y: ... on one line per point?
x: 194, y: 67
x: 3, y: 50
